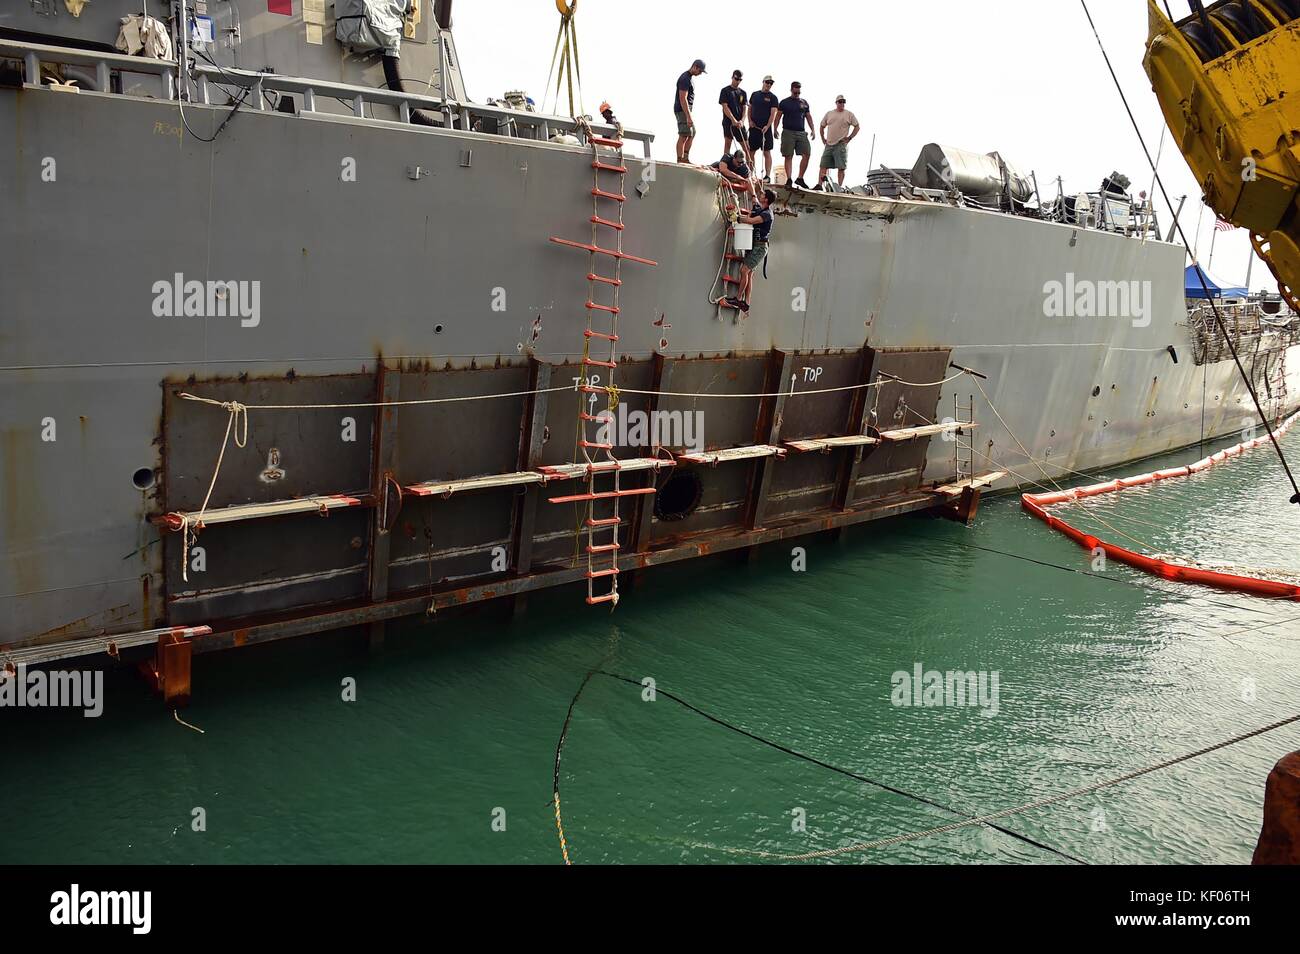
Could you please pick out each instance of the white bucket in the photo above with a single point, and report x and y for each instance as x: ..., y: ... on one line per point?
x: 743, y: 239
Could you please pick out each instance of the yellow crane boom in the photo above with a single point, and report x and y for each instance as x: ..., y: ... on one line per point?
x: 1228, y: 81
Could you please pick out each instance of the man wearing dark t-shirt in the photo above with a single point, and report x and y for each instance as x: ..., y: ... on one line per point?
x: 762, y: 115
x: 732, y: 99
x: 760, y: 216
x: 796, y: 122
x: 734, y: 169
x: 683, y: 103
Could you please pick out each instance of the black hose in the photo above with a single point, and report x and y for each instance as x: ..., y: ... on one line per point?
x: 393, y: 77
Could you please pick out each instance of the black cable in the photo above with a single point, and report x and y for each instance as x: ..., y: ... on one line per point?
x: 238, y: 101
x: 229, y: 116
x: 826, y: 765
x: 1295, y: 498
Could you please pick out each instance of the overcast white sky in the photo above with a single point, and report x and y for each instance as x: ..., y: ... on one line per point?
x: 1023, y: 77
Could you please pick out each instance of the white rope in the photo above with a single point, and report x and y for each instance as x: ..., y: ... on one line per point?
x: 314, y: 407
x: 187, y: 725
x: 192, y: 523
x: 487, y: 397
x: 847, y: 387
x: 723, y: 194
x: 1043, y: 470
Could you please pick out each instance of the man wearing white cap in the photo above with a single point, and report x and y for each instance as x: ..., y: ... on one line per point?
x: 839, y: 127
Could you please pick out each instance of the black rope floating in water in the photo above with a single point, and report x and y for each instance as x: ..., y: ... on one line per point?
x: 780, y: 748
x: 559, y: 752
x: 842, y: 771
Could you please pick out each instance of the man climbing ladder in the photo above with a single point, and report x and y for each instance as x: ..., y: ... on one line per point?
x: 760, y: 217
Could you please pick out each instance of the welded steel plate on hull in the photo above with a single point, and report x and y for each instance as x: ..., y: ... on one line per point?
x: 273, y: 562
x: 815, y: 407
x: 696, y: 497
x: 897, y: 466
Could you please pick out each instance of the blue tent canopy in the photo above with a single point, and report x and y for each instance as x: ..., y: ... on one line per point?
x: 1192, y: 287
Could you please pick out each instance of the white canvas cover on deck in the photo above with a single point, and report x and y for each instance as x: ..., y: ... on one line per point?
x: 368, y: 26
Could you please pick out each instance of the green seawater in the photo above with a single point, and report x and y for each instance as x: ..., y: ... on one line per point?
x: 455, y: 723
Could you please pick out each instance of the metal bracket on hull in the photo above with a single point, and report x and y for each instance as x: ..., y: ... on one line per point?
x: 94, y: 645
x: 973, y: 483
x: 963, y: 497
x: 543, y: 475
x: 713, y: 458
x: 912, y: 433
x: 576, y: 471
x: 445, y: 488
x: 827, y: 444
x: 321, y: 504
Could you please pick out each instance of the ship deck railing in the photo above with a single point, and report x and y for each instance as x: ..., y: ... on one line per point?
x: 462, y: 116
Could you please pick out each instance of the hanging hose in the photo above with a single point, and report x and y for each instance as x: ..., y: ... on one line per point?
x: 393, y: 77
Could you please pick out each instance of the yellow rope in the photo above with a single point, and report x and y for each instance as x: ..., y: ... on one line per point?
x: 559, y: 825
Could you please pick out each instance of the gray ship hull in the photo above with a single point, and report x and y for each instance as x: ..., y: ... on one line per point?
x: 431, y: 275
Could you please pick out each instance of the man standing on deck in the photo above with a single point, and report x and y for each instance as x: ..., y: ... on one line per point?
x: 762, y: 114
x: 796, y: 122
x: 733, y: 99
x: 835, y: 134
x: 683, y: 102
x: 760, y: 216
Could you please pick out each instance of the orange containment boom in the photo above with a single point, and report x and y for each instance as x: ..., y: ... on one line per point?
x: 1037, y: 505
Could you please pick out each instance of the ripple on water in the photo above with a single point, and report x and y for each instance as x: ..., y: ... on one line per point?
x: 456, y: 722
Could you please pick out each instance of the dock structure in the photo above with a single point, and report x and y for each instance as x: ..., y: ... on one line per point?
x: 1279, y: 838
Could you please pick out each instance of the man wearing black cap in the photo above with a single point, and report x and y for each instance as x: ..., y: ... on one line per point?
x: 733, y: 168
x: 762, y: 114
x: 732, y: 99
x: 796, y: 122
x: 683, y: 101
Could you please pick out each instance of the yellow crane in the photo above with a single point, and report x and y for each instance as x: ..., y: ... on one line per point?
x: 1228, y: 80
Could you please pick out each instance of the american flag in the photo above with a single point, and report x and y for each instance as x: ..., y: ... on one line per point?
x: 1223, y: 226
